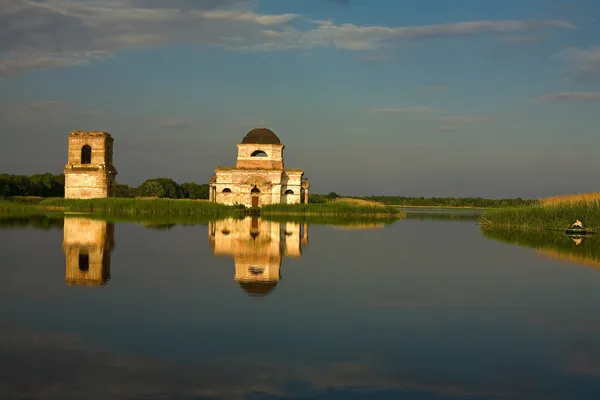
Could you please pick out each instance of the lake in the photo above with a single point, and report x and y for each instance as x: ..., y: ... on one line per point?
x: 429, y: 307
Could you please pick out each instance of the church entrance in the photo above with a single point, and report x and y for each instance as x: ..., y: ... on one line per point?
x: 255, y: 192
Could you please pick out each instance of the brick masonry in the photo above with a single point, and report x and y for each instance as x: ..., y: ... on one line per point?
x: 93, y: 179
x: 258, y: 180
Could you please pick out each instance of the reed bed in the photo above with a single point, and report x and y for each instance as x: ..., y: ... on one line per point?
x: 539, y: 216
x: 16, y: 207
x: 127, y: 206
x: 572, y: 199
x: 350, y: 209
x: 140, y: 209
x: 360, y: 202
x: 555, y: 212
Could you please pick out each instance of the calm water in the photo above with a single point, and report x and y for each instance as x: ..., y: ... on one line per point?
x: 426, y: 308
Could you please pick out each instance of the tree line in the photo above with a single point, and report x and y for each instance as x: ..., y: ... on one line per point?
x: 163, y: 188
x: 40, y: 185
x: 449, y: 201
x: 50, y: 185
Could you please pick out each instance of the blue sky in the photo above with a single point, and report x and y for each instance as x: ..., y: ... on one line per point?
x: 398, y: 97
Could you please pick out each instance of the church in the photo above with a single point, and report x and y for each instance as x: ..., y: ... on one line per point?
x: 259, y: 176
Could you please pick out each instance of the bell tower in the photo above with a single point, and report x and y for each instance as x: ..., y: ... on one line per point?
x: 89, y: 172
x: 87, y: 245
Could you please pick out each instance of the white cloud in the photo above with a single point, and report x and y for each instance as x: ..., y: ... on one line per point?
x: 584, y: 62
x: 570, y: 96
x: 232, y: 15
x: 56, y: 33
x: 458, y: 122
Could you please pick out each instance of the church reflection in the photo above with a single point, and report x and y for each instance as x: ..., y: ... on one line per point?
x: 257, y: 247
x: 87, y: 245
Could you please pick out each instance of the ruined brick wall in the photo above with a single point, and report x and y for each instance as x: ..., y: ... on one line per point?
x: 291, y: 188
x: 88, y: 183
x: 273, y: 160
x: 87, y: 244
x: 234, y: 186
x: 93, y: 179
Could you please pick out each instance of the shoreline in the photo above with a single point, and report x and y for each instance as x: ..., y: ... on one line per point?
x: 182, y: 208
x: 538, y: 217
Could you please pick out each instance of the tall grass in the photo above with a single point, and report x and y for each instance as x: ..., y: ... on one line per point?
x: 339, y: 208
x: 141, y: 206
x: 15, y: 207
x: 359, y: 202
x: 572, y: 199
x: 556, y: 212
x: 185, y: 208
x: 123, y: 206
x: 544, y: 217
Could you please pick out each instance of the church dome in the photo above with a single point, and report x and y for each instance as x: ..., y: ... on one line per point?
x: 261, y: 136
x: 258, y: 289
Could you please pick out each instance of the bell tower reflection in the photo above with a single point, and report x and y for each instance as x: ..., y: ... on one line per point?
x: 87, y: 245
x: 257, y: 247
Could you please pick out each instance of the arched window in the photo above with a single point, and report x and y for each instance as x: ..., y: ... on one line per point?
x: 255, y: 190
x: 84, y: 262
x: 289, y: 191
x: 86, y: 154
x: 226, y: 190
x: 259, y: 153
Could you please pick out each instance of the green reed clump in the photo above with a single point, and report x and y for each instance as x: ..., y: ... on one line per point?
x: 331, y: 208
x: 544, y: 217
x: 7, y: 206
x: 126, y: 206
x: 338, y: 220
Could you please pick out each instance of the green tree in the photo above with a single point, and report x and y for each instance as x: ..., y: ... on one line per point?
x: 122, y: 190
x: 192, y: 190
x: 151, y: 188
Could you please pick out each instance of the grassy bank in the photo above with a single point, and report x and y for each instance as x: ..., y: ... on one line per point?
x: 337, y: 208
x: 192, y: 208
x: 555, y: 213
x: 123, y: 206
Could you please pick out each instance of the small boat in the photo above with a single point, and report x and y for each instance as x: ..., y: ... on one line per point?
x: 577, y: 229
x: 572, y: 231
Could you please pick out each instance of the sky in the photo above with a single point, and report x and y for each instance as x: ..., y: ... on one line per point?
x: 394, y: 97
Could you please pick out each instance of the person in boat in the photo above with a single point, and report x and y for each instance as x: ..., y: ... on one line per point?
x: 577, y: 224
